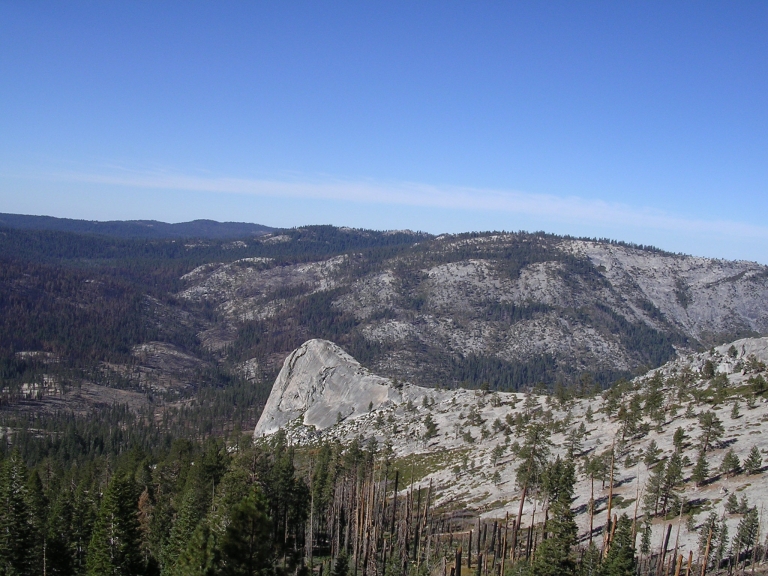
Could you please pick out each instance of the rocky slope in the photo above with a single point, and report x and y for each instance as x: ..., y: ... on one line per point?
x: 471, y: 455
x: 507, y: 309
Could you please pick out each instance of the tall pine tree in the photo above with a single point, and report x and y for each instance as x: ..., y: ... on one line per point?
x: 620, y: 560
x: 17, y: 526
x: 115, y: 547
x: 553, y: 557
x: 247, y: 546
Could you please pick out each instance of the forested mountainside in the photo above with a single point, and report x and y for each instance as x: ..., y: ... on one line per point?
x: 158, y: 324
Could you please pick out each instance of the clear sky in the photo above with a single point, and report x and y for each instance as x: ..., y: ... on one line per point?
x: 641, y: 121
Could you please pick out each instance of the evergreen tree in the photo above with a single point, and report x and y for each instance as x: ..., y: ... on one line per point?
x: 731, y: 464
x: 590, y: 562
x: 17, y: 535
x: 711, y: 429
x: 553, y: 556
x: 84, y: 514
x: 60, y: 548
x: 651, y: 454
x: 620, y: 560
x: 497, y: 453
x: 38, y: 509
x: 732, y: 504
x: 746, y: 533
x: 201, y: 557
x: 193, y: 505
x: 645, y: 540
x: 709, y: 524
x: 533, y: 456
x: 720, y: 546
x: 679, y: 438
x: 700, y: 472
x: 754, y: 461
x: 115, y: 543
x: 673, y: 477
x: 574, y: 441
x: 653, y: 491
x: 247, y: 544
x: 430, y: 430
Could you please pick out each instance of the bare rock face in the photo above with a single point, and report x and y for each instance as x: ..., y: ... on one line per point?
x: 321, y: 382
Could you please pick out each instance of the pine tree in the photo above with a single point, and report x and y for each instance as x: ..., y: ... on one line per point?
x: 711, y: 429
x: 17, y: 536
x: 201, y: 557
x: 731, y: 464
x: 191, y: 510
x: 700, y: 472
x: 709, y: 524
x: 590, y: 562
x: 116, y: 541
x: 574, y: 441
x: 496, y: 454
x: 721, y: 547
x: 84, y: 514
x: 553, y: 557
x: 247, y: 546
x: 679, y: 438
x: 754, y: 461
x: 651, y: 455
x: 746, y: 533
x: 673, y: 477
x: 60, y: 547
x: 645, y: 541
x: 38, y: 509
x: 653, y: 489
x: 620, y: 560
x: 430, y: 430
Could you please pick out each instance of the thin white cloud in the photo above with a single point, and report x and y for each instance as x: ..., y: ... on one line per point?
x: 556, y: 208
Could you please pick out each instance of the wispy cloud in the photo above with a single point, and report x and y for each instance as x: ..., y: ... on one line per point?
x: 556, y: 208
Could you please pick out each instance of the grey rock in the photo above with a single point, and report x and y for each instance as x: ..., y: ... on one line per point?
x: 322, y: 383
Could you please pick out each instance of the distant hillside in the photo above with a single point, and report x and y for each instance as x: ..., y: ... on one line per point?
x: 136, y: 228
x: 166, y: 319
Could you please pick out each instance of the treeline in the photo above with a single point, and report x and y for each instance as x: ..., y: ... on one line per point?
x: 189, y: 509
x: 302, y: 244
x: 260, y: 508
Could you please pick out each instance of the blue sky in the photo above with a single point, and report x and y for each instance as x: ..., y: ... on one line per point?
x: 645, y: 122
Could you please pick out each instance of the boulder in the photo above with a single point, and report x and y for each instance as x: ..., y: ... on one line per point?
x: 321, y: 383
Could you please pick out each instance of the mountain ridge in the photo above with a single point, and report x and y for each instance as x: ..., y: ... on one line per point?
x: 209, y: 229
